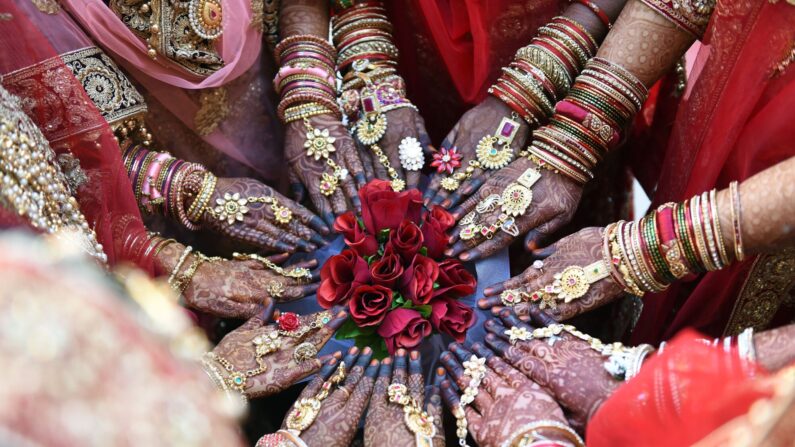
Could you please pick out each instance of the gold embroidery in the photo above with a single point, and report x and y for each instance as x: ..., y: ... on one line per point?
x: 771, y: 279
x: 183, y: 31
x: 106, y: 85
x: 689, y: 15
x: 270, y: 22
x: 213, y: 109
x: 47, y: 6
x: 782, y: 66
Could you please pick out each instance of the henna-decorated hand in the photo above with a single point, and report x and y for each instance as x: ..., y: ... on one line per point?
x: 506, y: 400
x: 282, y: 369
x: 340, y: 413
x: 579, y: 249
x: 233, y: 289
x: 555, y: 199
x: 402, y: 123
x: 478, y: 122
x: 305, y: 172
x: 565, y: 366
x: 385, y: 421
x: 258, y: 224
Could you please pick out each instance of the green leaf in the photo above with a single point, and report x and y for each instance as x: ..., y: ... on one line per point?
x: 398, y: 300
x: 349, y: 330
x: 424, y: 251
x: 361, y: 222
x: 383, y: 235
x: 424, y: 310
x: 436, y: 285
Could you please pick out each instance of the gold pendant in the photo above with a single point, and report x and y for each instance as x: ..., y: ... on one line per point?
x: 282, y: 214
x: 450, y: 184
x: 490, y: 156
x: 303, y: 414
x: 370, y: 129
x: 516, y: 199
x: 398, y: 185
x: 419, y: 422
x: 328, y: 184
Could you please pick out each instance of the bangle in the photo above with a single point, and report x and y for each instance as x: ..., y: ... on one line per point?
x: 179, y: 263
x: 638, y: 355
x: 199, y: 205
x: 736, y: 212
x: 603, y: 17
x: 528, y: 433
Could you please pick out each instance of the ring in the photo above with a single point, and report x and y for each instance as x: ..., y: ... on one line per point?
x: 304, y: 352
x: 511, y: 297
x: 275, y: 289
x: 410, y: 154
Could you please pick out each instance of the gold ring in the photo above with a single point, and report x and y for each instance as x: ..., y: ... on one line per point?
x: 275, y: 289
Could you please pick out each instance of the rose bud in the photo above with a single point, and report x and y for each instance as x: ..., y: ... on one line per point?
x: 403, y: 328
x: 385, y: 209
x: 355, y: 237
x: 454, y: 280
x: 406, y: 240
x: 369, y: 305
x: 339, y: 276
x: 417, y: 281
x: 434, y: 229
x: 452, y: 317
x: 387, y: 270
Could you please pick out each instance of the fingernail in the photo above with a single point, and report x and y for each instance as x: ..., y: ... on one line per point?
x: 488, y: 291
x: 414, y: 355
x: 449, y: 251
x: 373, y: 362
x: 333, y: 361
x: 318, y: 240
x: 367, y: 350
x: 482, y: 302
x: 465, y: 256
x: 387, y: 361
x: 440, y: 371
x: 337, y: 355
x: 354, y: 350
x: 401, y: 352
x: 446, y: 202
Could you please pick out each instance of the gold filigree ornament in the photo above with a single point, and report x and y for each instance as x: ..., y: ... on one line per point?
x: 370, y: 129
x: 206, y: 18
x: 231, y: 208
x: 518, y: 196
x: 299, y: 273
x: 494, y: 151
x: 418, y: 422
x: 319, y: 143
x: 518, y: 334
x: 570, y: 284
x: 275, y: 289
x: 305, y: 410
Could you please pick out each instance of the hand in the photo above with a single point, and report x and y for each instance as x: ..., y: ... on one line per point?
x: 579, y: 249
x: 480, y: 121
x: 506, y: 400
x: 385, y: 424
x: 567, y: 367
x: 258, y: 225
x: 555, y: 200
x: 281, y: 368
x: 234, y: 289
x: 340, y: 413
x: 305, y: 172
x: 402, y: 123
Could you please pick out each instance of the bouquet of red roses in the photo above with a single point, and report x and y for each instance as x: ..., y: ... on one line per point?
x: 393, y: 277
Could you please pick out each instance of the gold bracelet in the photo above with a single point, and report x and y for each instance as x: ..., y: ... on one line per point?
x: 305, y: 411
x: 183, y: 257
x: 199, y: 205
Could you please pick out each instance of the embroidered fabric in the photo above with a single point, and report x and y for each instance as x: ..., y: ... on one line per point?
x: 690, y: 15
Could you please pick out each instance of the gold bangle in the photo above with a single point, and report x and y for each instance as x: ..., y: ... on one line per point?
x: 724, y: 257
x: 183, y: 257
x: 202, y: 199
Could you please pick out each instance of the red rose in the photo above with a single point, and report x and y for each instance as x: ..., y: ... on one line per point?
x: 406, y: 240
x: 434, y: 229
x: 452, y: 317
x: 369, y: 305
x: 403, y: 328
x: 340, y: 275
x: 454, y: 280
x: 355, y: 237
x: 383, y: 208
x: 289, y: 322
x: 417, y: 281
x: 387, y: 270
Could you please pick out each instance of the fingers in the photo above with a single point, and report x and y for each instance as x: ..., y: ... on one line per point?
x: 296, y: 186
x: 537, y: 316
x: 344, y: 392
x: 260, y: 239
x: 323, y: 206
x: 450, y: 399
x: 382, y: 384
x: 416, y: 383
x: 311, y: 220
x: 356, y: 169
x: 509, y: 374
x: 488, y: 247
x: 284, y: 236
x: 297, y: 292
x: 456, y: 371
x: 467, y: 207
x: 324, y: 374
x: 510, y: 319
x: 434, y: 399
x: 338, y: 202
x: 464, y: 191
x: 399, y: 374
x: 364, y: 388
x: 321, y: 337
x: 367, y: 162
x: 540, y: 235
x: 491, y: 382
x: 413, y: 177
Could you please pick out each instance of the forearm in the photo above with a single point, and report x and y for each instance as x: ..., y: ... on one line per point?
x: 590, y: 20
x: 304, y: 17
x: 767, y: 210
x: 775, y: 348
x: 645, y: 42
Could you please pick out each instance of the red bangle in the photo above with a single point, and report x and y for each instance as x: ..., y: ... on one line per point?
x: 598, y: 11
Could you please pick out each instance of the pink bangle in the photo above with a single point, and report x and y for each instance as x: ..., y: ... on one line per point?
x: 300, y: 54
x: 315, y: 71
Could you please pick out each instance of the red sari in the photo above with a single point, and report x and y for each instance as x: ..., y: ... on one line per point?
x: 733, y: 121
x: 451, y: 51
